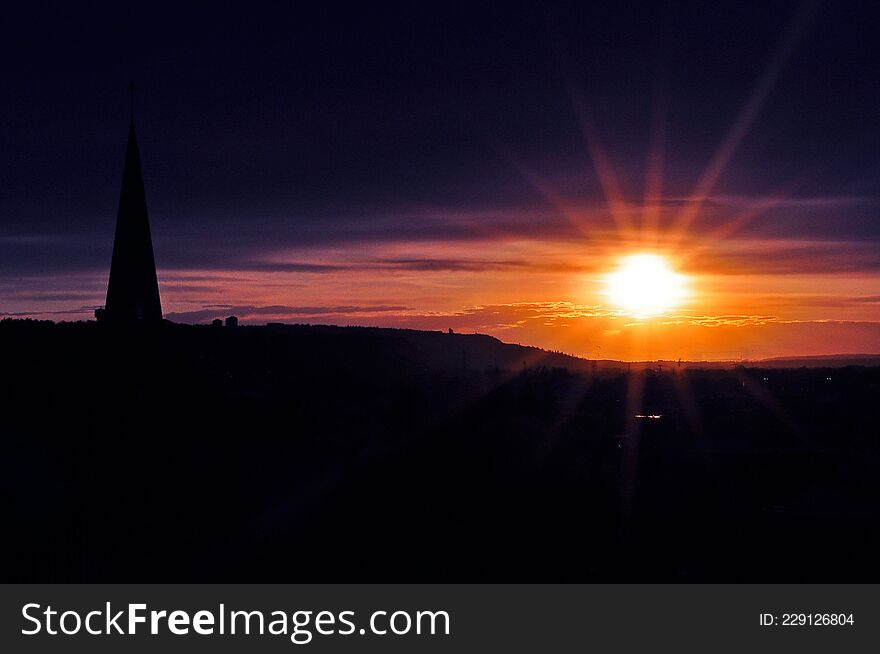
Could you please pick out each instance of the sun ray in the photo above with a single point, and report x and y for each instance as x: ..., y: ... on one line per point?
x: 745, y: 118
x: 630, y: 442
x: 537, y: 182
x: 546, y: 190
x: 656, y: 159
x: 604, y: 168
x: 602, y: 164
x: 738, y: 222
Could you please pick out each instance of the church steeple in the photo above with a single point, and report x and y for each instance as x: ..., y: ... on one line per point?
x: 133, y: 290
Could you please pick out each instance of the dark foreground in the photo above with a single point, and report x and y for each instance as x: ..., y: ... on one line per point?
x: 326, y: 454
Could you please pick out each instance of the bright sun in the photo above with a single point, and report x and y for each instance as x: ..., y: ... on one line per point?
x: 645, y: 285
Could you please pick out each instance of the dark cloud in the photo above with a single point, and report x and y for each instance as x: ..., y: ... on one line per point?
x: 79, y: 312
x: 790, y: 257
x: 448, y: 265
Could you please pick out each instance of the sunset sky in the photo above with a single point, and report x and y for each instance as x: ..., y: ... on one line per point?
x: 483, y: 168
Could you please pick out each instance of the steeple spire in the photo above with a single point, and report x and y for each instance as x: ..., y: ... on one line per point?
x: 133, y: 290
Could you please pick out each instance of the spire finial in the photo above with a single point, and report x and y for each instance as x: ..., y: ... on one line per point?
x: 131, y: 88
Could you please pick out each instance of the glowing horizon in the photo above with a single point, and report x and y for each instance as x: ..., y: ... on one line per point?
x: 757, y: 297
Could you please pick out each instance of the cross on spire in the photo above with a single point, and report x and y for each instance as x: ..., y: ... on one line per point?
x: 131, y: 89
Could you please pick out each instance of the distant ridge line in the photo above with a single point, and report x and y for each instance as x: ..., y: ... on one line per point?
x: 476, y: 351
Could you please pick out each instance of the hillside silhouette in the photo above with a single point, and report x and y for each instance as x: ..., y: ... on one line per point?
x: 303, y: 453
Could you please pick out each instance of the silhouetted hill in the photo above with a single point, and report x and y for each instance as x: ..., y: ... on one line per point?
x: 444, y: 350
x: 302, y: 453
x: 823, y: 361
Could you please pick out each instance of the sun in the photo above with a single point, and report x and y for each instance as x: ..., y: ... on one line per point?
x: 645, y: 285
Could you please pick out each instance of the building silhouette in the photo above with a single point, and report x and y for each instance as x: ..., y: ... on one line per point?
x: 133, y: 290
